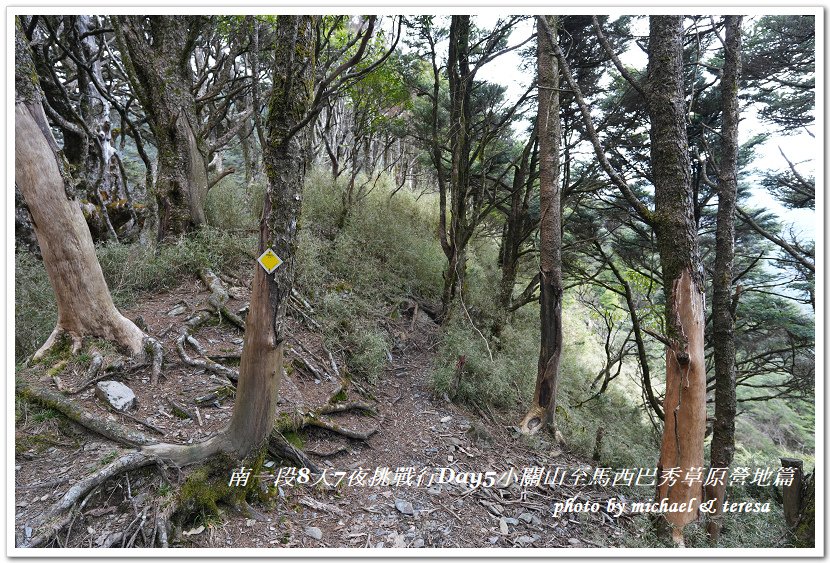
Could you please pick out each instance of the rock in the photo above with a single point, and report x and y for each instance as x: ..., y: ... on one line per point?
x: 503, y: 526
x: 512, y: 521
x: 313, y: 532
x: 446, y: 419
x: 249, y: 522
x: 418, y: 543
x: 525, y: 540
x: 453, y: 441
x: 493, y: 539
x: 530, y: 518
x: 404, y: 507
x: 118, y: 395
x: 194, y: 531
x: 478, y: 434
x: 495, y: 509
x: 574, y: 541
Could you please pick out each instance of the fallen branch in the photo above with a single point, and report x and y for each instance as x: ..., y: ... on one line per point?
x: 182, y: 411
x: 308, y: 366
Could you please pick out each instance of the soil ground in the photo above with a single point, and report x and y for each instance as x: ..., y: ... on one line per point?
x: 415, y: 429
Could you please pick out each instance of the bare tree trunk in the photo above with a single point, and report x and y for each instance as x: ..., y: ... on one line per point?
x: 723, y: 323
x: 543, y: 408
x: 685, y: 400
x: 84, y: 305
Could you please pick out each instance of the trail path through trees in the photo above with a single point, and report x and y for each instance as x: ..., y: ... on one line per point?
x: 412, y: 428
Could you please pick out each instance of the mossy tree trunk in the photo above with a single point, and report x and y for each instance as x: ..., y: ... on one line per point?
x: 723, y: 321
x: 542, y: 409
x: 460, y: 83
x: 518, y: 224
x: 285, y: 159
x: 156, y: 53
x: 685, y: 400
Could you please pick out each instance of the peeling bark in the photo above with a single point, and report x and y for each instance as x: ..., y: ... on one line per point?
x: 685, y: 401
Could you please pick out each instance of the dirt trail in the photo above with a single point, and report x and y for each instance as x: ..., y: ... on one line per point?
x: 417, y: 435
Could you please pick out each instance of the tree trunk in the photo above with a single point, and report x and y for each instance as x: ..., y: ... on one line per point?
x: 517, y: 225
x: 84, y: 305
x: 723, y: 323
x: 543, y: 408
x: 460, y: 83
x: 285, y: 162
x: 161, y: 77
x: 685, y: 400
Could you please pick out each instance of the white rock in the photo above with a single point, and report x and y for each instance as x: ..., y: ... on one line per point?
x: 116, y: 394
x: 503, y: 526
x: 313, y: 532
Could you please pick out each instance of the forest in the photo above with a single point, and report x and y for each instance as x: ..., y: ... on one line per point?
x: 415, y: 281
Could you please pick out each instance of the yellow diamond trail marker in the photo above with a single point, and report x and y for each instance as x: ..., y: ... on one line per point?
x: 269, y: 260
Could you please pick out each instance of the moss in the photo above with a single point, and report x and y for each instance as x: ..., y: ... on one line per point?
x: 60, y: 352
x: 207, y: 487
x: 36, y: 442
x: 295, y: 439
x: 339, y: 397
x: 57, y: 368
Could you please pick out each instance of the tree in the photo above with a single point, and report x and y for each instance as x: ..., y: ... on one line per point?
x: 85, y: 307
x: 723, y: 320
x: 543, y: 408
x: 156, y: 53
x: 674, y: 225
x: 682, y: 271
x: 293, y: 103
x: 285, y: 158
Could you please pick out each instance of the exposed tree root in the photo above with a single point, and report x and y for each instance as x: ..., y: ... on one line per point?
x: 279, y: 447
x: 337, y: 429
x: 152, y: 347
x: 59, y: 515
x: 76, y: 413
x: 219, y: 297
x: 150, y: 451
x: 204, y: 362
x: 55, y: 339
